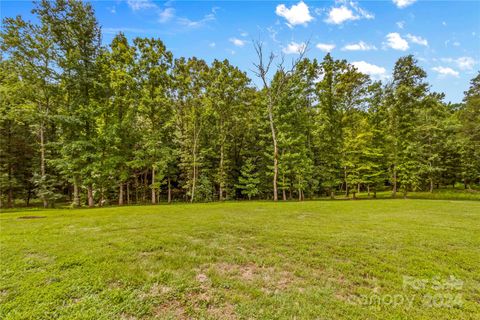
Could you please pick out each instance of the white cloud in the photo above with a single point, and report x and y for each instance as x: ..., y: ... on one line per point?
x: 198, y: 23
x: 445, y: 71
x: 347, y: 11
x: 401, y: 24
x: 136, y: 5
x: 403, y: 3
x: 166, y: 15
x: 417, y: 39
x: 237, y: 42
x: 361, y: 12
x: 370, y: 69
x: 465, y: 63
x: 325, y: 47
x: 361, y: 46
x: 340, y: 15
x: 294, y: 48
x: 212, y: 44
x: 395, y: 41
x: 297, y: 14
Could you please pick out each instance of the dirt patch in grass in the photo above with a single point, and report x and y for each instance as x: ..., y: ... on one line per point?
x: 204, y: 299
x: 270, y: 279
x: 31, y: 217
x: 202, y: 278
x: 172, y: 309
x: 201, y: 300
x: 3, y: 294
x: 225, y: 311
x: 125, y: 316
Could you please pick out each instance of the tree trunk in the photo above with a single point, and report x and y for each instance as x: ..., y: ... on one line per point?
x: 394, y: 191
x: 194, y: 175
x: 220, y: 191
x: 90, y: 196
x: 76, y: 193
x: 284, y: 192
x: 145, y: 186
x: 332, y: 194
x: 128, y: 193
x: 29, y: 196
x: 368, y: 190
x: 10, y: 175
x: 120, y: 195
x: 42, y: 161
x: 431, y: 185
x: 10, y: 198
x: 275, y: 150
x: 102, y: 198
x: 169, y: 191
x: 374, y: 194
x: 136, y: 189
x: 154, y: 200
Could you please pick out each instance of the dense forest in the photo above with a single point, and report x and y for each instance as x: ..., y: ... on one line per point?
x: 127, y: 123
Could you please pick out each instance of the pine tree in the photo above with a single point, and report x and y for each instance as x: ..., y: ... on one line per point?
x: 248, y: 181
x: 404, y: 98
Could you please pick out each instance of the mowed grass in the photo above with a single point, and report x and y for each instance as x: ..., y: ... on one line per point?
x: 243, y: 260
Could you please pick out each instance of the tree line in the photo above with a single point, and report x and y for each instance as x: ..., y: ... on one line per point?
x: 130, y: 123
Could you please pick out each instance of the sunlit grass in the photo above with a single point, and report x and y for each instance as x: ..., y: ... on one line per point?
x: 245, y: 260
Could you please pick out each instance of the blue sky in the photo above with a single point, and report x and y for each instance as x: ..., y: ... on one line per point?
x: 443, y: 35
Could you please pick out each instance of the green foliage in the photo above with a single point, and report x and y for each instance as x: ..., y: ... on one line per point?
x: 249, y: 181
x: 129, y: 121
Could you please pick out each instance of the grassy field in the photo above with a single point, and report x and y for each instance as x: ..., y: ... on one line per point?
x: 383, y: 259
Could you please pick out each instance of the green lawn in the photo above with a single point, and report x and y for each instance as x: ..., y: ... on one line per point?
x: 246, y: 260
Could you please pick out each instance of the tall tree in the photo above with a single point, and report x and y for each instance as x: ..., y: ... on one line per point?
x: 470, y: 133
x: 404, y: 97
x: 32, y: 51
x: 262, y: 70
x: 190, y: 78
x: 121, y: 108
x: 17, y: 153
x: 155, y: 112
x: 76, y: 34
x: 226, y: 92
